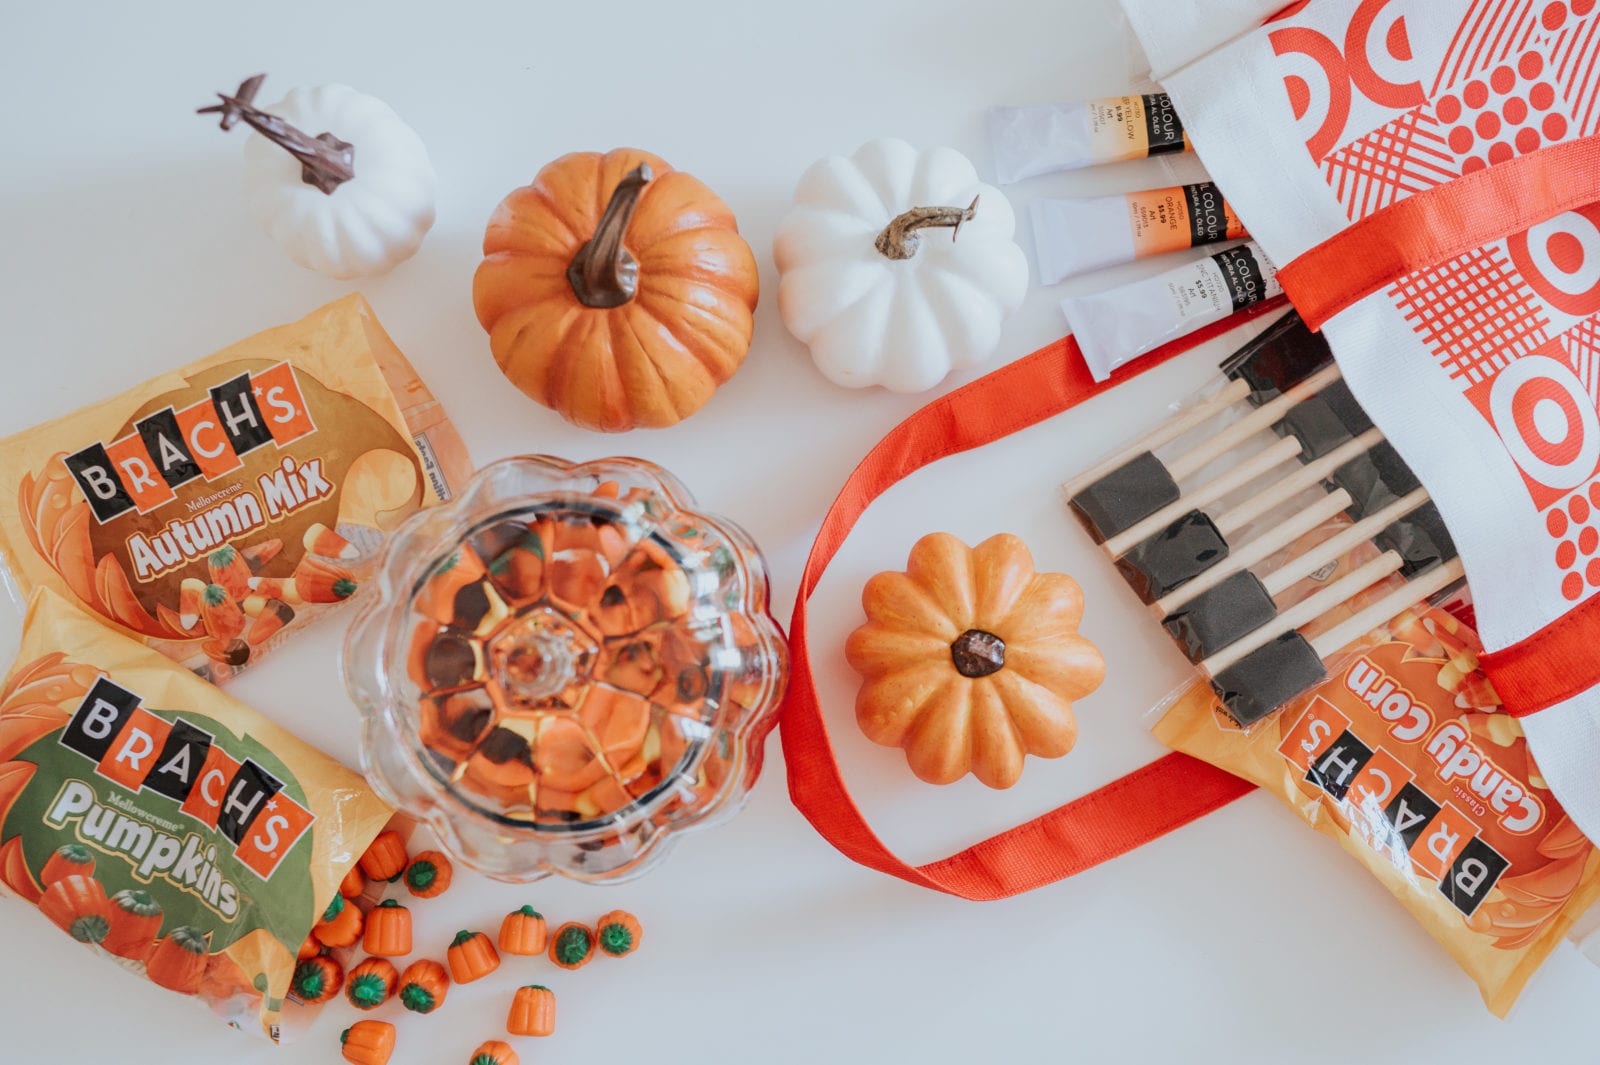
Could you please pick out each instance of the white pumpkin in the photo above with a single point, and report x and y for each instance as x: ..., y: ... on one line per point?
x: 338, y: 181
x: 896, y: 266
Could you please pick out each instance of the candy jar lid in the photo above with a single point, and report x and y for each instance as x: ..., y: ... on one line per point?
x: 565, y: 666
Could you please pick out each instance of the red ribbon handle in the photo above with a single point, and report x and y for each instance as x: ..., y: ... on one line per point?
x: 1142, y: 806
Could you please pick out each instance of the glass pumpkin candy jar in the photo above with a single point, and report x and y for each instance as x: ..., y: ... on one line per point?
x: 565, y: 667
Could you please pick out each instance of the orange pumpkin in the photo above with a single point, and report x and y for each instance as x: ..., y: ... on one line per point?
x: 471, y: 956
x: 79, y: 907
x: 494, y: 1052
x: 178, y: 961
x: 523, y: 931
x: 428, y: 876
x: 340, y: 925
x: 971, y: 660
x: 371, y: 983
x: 533, y: 1011
x: 386, y: 858
x: 69, y: 858
x: 388, y: 933
x: 310, y: 947
x: 367, y: 1043
x: 135, y: 923
x: 423, y: 986
x: 316, y: 979
x: 353, y: 884
x: 616, y: 290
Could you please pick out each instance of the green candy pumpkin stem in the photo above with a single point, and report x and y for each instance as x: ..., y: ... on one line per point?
x: 603, y: 273
x: 326, y: 162
x: 899, y: 239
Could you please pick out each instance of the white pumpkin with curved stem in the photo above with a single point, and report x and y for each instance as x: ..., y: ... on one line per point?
x: 334, y: 176
x: 896, y: 266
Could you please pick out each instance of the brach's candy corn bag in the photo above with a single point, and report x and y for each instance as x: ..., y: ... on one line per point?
x: 1402, y: 756
x: 164, y: 824
x: 212, y: 509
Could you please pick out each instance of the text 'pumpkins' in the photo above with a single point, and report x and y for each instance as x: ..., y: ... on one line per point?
x: 616, y: 290
x: 971, y: 660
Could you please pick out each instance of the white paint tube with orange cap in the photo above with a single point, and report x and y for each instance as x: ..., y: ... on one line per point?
x: 1074, y: 235
x: 1120, y: 324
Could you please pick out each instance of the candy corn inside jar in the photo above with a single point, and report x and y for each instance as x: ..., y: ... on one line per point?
x: 566, y: 666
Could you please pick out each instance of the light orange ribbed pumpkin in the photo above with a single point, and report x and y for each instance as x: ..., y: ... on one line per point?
x: 616, y: 290
x: 971, y: 660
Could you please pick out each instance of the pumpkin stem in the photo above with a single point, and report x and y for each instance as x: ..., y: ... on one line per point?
x: 603, y: 273
x: 977, y: 653
x: 326, y: 162
x: 899, y: 238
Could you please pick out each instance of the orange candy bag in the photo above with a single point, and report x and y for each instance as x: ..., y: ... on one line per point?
x: 1403, y: 758
x: 213, y: 509
x: 165, y: 825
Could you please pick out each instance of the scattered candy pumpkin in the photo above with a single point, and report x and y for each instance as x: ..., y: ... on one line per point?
x: 367, y: 1043
x: 371, y: 983
x: 385, y: 859
x: 471, y: 956
x: 340, y: 925
x: 310, y: 947
x: 897, y: 266
x: 178, y: 960
x: 423, y: 986
x: 388, y: 932
x: 616, y: 290
x: 428, y: 875
x: 523, y: 931
x: 971, y: 660
x: 67, y: 860
x: 317, y: 979
x: 494, y: 1052
x: 337, y: 180
x: 618, y: 933
x: 533, y: 1011
x: 353, y: 884
x: 572, y: 945
x: 78, y: 906
x: 135, y: 923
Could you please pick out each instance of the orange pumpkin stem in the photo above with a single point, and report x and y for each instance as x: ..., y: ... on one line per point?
x: 899, y: 238
x: 603, y: 273
x: 326, y: 162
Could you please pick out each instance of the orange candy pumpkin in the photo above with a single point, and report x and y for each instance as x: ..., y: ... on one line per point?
x: 388, y: 931
x: 616, y: 290
x: 471, y: 956
x: 178, y: 960
x: 367, y: 1043
x: 385, y: 859
x: 135, y: 923
x: 79, y: 907
x: 423, y: 986
x: 68, y: 859
x: 523, y: 931
x: 316, y: 979
x: 341, y: 923
x: 371, y: 983
x: 533, y: 1011
x: 971, y: 660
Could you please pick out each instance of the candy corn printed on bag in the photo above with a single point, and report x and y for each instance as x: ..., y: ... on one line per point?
x: 1404, y: 757
x: 212, y: 509
x: 164, y: 824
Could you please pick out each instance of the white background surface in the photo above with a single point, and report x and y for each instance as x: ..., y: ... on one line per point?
x: 125, y: 250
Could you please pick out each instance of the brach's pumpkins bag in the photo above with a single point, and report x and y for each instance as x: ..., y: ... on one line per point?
x: 165, y: 824
x: 213, y: 509
x: 1405, y: 758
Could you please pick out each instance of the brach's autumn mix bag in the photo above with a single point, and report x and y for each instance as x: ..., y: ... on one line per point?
x: 164, y: 824
x: 213, y: 509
